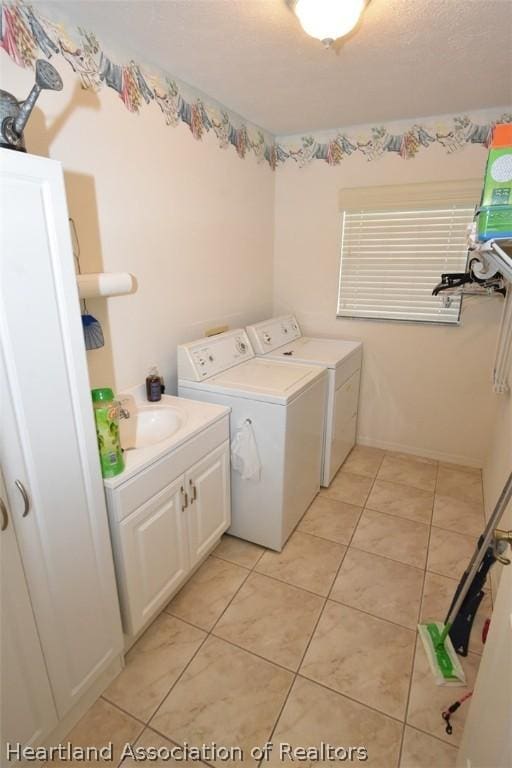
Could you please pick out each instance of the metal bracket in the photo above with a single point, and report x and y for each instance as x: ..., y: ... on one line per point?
x: 503, y: 538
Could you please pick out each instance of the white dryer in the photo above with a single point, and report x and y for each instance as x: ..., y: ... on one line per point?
x: 281, y: 339
x: 285, y: 406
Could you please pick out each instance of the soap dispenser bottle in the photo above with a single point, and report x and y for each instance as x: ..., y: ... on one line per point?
x: 154, y: 385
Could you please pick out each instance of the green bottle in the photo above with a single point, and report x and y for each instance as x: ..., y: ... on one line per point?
x: 106, y: 414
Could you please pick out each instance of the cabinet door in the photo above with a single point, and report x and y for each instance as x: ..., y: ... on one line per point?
x: 48, y: 440
x: 27, y: 709
x: 154, y: 555
x: 209, y: 503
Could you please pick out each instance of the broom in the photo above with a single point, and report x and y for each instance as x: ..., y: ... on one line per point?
x: 435, y: 636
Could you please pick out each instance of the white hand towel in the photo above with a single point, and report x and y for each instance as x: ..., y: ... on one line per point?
x: 244, y: 453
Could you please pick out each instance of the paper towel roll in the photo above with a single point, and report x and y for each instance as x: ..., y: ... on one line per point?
x: 96, y: 284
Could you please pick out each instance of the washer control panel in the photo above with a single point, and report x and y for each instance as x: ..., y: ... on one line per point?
x: 207, y: 357
x: 272, y: 334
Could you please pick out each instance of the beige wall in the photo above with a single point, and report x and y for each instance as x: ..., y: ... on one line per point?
x: 424, y: 389
x: 498, y: 462
x: 195, y: 225
x: 192, y: 222
x: 498, y: 465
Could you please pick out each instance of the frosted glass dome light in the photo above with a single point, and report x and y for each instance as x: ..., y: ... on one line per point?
x: 328, y: 19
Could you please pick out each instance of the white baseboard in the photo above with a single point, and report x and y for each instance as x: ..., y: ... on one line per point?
x: 449, y: 458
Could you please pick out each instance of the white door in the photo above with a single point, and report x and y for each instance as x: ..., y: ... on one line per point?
x: 154, y: 552
x: 209, y: 502
x: 48, y: 444
x: 27, y: 711
x: 487, y: 738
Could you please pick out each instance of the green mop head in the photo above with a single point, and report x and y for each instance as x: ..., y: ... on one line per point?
x: 443, y: 660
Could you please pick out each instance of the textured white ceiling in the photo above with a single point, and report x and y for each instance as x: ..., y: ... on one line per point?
x: 407, y: 59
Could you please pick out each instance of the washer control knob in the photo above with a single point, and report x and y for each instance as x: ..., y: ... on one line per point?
x: 267, y: 338
x: 241, y: 346
x: 210, y: 358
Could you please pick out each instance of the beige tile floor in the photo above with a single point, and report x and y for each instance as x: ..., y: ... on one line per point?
x: 317, y: 643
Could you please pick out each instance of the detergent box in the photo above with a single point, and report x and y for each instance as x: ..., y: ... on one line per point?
x: 495, y: 216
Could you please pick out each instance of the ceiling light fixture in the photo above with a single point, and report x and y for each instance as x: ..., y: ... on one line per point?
x: 328, y: 19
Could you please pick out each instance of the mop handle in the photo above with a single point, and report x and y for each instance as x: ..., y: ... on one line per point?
x: 480, y: 551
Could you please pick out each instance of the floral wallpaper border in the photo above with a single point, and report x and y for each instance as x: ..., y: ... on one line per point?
x: 25, y: 34
x: 404, y: 140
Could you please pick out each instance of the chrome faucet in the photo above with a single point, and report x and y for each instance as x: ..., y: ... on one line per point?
x: 124, y: 413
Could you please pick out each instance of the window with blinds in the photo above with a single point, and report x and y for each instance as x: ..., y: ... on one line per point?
x: 396, y: 243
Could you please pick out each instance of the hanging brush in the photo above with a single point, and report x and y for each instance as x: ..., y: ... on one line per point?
x: 93, y: 332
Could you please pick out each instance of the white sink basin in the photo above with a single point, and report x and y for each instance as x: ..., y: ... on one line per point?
x: 151, y: 424
x: 155, y: 429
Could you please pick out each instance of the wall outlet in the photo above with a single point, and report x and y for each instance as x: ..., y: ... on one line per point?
x: 217, y: 330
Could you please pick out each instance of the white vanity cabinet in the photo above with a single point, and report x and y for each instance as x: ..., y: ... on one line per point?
x: 208, y: 510
x: 154, y: 549
x: 166, y: 518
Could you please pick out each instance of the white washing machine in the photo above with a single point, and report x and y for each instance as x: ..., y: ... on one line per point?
x: 285, y: 406
x: 281, y: 339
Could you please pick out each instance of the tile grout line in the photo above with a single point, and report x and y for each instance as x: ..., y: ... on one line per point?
x: 397, y: 517
x: 295, y: 676
x: 408, y: 700
x: 173, y: 742
x: 296, y: 586
x: 321, y: 597
x: 324, y: 538
x: 207, y: 635
x: 297, y: 673
x: 341, y: 544
x: 351, y: 698
x: 147, y: 726
x: 252, y: 569
x: 372, y: 615
x: 355, y: 548
x: 402, y: 722
x: 430, y: 735
x: 395, y: 514
x: 203, y: 641
x: 124, y: 711
x: 386, y: 557
x: 325, y: 599
x: 234, y: 562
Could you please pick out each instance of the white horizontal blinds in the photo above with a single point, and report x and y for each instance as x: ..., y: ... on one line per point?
x: 393, y: 254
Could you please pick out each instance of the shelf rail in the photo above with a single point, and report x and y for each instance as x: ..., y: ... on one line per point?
x: 487, y: 258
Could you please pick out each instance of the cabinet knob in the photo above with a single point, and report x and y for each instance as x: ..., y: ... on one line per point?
x: 4, y: 522
x: 24, y: 495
